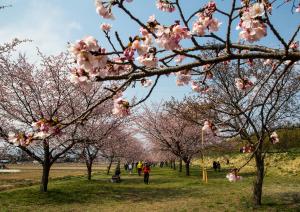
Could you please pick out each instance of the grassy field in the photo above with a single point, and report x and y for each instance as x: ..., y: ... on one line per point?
x: 168, y: 190
x: 31, y: 174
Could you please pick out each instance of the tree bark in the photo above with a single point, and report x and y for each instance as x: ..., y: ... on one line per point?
x: 109, y: 166
x: 46, y: 168
x: 174, y: 164
x: 89, y: 170
x: 180, y: 165
x: 258, y: 182
x: 187, y: 168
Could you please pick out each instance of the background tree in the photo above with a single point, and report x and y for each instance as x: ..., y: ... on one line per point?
x: 34, y: 100
x: 93, y: 132
x: 171, y: 134
x: 253, y: 103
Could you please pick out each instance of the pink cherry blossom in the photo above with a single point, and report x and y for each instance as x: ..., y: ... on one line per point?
x: 274, y: 138
x: 169, y: 37
x: 144, y: 31
x: 252, y: 28
x: 243, y: 83
x: 117, y: 69
x: 46, y: 127
x: 105, y: 27
x: 121, y: 107
x: 91, y: 43
x: 103, y: 11
x: 165, y: 5
x: 297, y: 10
x: 179, y: 58
x: 294, y: 46
x: 233, y: 176
x: 148, y: 60
x: 205, y: 22
x: 118, y: 95
x: 141, y: 48
x: 129, y: 53
x: 20, y: 139
x: 183, y: 77
x: 200, y: 88
x: 256, y: 10
x: 78, y: 75
x: 146, y: 82
x: 209, y: 127
x: 152, y: 18
x: 268, y: 62
x: 89, y: 56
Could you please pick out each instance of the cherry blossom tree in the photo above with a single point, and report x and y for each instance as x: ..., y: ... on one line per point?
x: 94, y: 132
x: 255, y: 107
x: 171, y: 134
x: 35, y: 101
x: 121, y: 145
x: 251, y: 109
x: 191, y: 46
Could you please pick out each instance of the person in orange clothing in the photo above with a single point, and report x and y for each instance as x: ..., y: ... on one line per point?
x: 146, y: 171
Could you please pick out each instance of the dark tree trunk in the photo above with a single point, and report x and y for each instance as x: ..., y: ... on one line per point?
x: 180, y: 165
x: 174, y: 165
x: 89, y: 170
x: 46, y: 168
x: 258, y: 182
x: 171, y: 164
x: 109, y: 166
x: 187, y: 168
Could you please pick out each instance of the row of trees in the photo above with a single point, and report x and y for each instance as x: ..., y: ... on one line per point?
x: 42, y: 96
x: 245, y: 89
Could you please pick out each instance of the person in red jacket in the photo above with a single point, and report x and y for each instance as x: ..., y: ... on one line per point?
x: 146, y: 171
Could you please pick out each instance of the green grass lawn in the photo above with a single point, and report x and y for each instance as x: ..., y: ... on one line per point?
x: 168, y: 191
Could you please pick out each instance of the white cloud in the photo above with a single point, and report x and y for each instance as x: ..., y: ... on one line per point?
x: 44, y: 23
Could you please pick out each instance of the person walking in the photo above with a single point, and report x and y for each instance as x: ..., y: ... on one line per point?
x: 139, y: 167
x: 130, y: 168
x: 146, y: 171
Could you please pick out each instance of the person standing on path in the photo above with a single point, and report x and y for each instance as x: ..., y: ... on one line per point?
x: 139, y: 167
x: 130, y: 168
x: 146, y: 171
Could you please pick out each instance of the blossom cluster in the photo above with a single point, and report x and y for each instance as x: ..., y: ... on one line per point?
x: 233, y: 176
x: 103, y: 11
x: 90, y: 58
x: 274, y: 138
x: 206, y: 21
x: 209, y: 128
x: 251, y: 24
x: 243, y: 84
x: 105, y: 27
x: 200, y: 88
x: 121, y: 106
x: 247, y: 149
x: 165, y: 5
x: 20, y: 139
x: 46, y: 127
x: 183, y: 77
x: 169, y: 37
x: 146, y: 82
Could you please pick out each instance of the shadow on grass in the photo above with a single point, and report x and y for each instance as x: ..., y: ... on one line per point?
x: 95, y: 191
x: 163, y: 185
x: 285, y: 200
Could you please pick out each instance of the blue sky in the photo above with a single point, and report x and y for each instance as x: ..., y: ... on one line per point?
x: 53, y: 23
